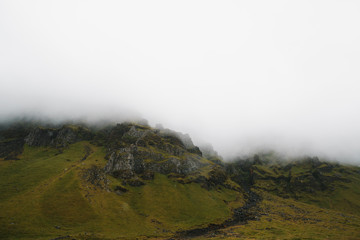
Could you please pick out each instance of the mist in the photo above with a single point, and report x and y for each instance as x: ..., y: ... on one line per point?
x: 244, y: 76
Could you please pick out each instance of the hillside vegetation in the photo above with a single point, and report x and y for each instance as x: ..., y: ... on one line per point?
x: 130, y: 181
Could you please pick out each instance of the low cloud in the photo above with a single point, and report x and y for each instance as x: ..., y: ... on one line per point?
x: 242, y: 76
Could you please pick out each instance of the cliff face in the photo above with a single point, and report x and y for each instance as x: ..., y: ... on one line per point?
x: 12, y: 141
x: 132, y: 150
x: 57, y: 137
x: 141, y: 150
x: 136, y: 152
x: 135, y: 160
x: 306, y: 179
x: 13, y: 137
x: 10, y: 149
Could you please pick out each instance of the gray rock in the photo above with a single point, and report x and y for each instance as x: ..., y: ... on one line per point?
x: 128, y: 162
x: 41, y: 137
x: 60, y: 137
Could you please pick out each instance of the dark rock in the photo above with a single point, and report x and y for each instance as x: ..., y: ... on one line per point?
x: 57, y: 137
x: 123, y: 174
x: 201, y: 179
x: 195, y: 150
x: 147, y: 175
x: 217, y: 176
x: 123, y: 164
x: 134, y: 182
x: 137, y: 149
x: 96, y: 176
x: 41, y: 137
x: 120, y: 190
x: 12, y: 139
x: 88, y: 151
x: 130, y: 161
x: 171, y: 149
x: 9, y: 150
x: 62, y: 237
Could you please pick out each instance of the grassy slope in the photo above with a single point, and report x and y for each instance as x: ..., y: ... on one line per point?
x: 343, y: 196
x: 43, y: 196
x: 45, y: 189
x: 288, y: 219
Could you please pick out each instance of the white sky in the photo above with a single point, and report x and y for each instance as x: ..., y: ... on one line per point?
x: 239, y: 74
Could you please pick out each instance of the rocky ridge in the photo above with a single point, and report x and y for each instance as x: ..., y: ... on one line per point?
x: 142, y: 151
x: 139, y: 163
x: 136, y: 152
x: 133, y: 151
x: 57, y: 137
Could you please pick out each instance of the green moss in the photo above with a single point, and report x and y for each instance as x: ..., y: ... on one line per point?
x: 289, y: 219
x: 45, y: 189
x: 339, y: 193
x: 180, y: 205
x: 63, y: 203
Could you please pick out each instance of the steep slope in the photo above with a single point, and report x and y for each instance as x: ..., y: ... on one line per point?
x: 303, y: 198
x: 285, y: 218
x: 125, y: 181
x: 308, y: 179
x: 131, y: 181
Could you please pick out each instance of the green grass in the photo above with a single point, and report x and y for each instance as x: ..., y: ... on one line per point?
x: 41, y: 182
x: 44, y: 195
x: 289, y: 219
x: 63, y: 203
x: 345, y: 197
x: 339, y: 195
x: 180, y: 205
x: 35, y: 166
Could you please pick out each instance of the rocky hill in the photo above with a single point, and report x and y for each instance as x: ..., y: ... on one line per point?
x: 131, y: 181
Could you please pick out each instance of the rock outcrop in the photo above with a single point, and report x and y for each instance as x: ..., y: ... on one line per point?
x: 141, y: 151
x: 57, y: 137
x: 9, y: 150
x: 127, y: 162
x: 184, y: 138
x: 287, y: 179
x: 12, y: 140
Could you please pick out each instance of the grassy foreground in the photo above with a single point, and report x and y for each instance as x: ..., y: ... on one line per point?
x: 44, y: 195
x: 281, y: 218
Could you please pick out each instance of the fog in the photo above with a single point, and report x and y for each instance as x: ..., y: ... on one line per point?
x: 241, y: 75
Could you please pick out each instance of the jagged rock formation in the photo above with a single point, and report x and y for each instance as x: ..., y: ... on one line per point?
x: 11, y: 149
x: 287, y: 179
x: 96, y: 176
x: 60, y: 137
x: 133, y: 150
x: 13, y: 137
x: 141, y: 150
x: 160, y: 178
x: 129, y: 161
x: 12, y: 141
x: 184, y: 138
x: 136, y: 152
x: 208, y: 151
